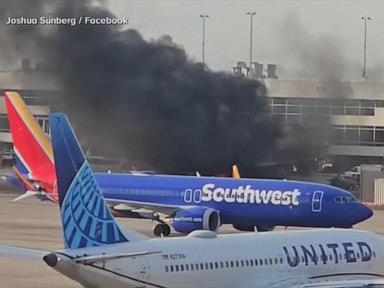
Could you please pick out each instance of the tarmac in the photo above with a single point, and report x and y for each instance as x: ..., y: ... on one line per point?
x: 35, y: 224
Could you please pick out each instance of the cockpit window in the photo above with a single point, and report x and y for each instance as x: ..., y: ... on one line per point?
x: 351, y: 199
x: 338, y: 199
x: 346, y: 199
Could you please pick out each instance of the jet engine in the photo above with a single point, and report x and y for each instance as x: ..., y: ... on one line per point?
x: 195, y: 218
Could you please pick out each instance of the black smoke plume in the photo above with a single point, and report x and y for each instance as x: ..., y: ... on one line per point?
x: 139, y: 100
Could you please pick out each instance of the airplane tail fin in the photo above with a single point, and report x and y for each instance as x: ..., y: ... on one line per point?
x: 235, y: 172
x: 85, y: 217
x: 34, y: 156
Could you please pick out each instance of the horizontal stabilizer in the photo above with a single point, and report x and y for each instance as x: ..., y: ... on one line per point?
x: 100, y: 258
x: 29, y: 194
x: 25, y: 253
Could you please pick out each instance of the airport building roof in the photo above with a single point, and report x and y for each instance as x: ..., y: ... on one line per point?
x: 372, y: 90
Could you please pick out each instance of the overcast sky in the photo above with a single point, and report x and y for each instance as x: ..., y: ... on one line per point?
x: 291, y: 34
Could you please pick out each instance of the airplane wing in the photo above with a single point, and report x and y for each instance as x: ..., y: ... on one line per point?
x: 143, y: 210
x: 19, y: 252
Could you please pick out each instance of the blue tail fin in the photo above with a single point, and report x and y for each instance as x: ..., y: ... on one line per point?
x: 85, y: 216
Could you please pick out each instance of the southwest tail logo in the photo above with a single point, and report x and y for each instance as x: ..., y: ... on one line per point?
x: 34, y: 156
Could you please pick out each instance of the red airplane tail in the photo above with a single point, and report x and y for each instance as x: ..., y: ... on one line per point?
x: 33, y: 149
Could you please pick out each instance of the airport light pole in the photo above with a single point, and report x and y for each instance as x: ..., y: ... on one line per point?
x: 365, y: 18
x: 251, y: 14
x: 203, y: 16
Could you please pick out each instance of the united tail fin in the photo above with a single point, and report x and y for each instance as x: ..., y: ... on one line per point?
x: 34, y: 156
x: 85, y: 217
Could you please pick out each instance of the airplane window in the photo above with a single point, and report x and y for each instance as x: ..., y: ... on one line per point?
x: 216, y: 265
x: 226, y: 264
x: 181, y: 267
x: 171, y: 268
x: 256, y: 262
x: 177, y: 268
x: 251, y: 261
x: 192, y: 267
x: 276, y: 261
x: 242, y: 263
x: 206, y: 266
x: 265, y: 261
x: 270, y: 261
x: 166, y: 268
x: 211, y: 265
x: 201, y: 266
x: 221, y: 264
x: 231, y: 263
x: 186, y: 267
x: 237, y: 263
x: 246, y: 263
x: 281, y: 260
x: 261, y: 262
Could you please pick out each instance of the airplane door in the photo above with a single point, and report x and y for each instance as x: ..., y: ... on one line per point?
x: 317, y: 201
x: 143, y: 267
x: 137, y: 266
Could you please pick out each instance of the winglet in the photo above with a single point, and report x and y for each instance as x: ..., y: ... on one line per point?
x: 85, y: 216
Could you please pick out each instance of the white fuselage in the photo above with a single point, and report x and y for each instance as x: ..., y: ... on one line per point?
x: 271, y: 259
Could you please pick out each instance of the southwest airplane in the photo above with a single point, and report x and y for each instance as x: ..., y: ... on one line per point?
x: 191, y: 203
x: 98, y: 253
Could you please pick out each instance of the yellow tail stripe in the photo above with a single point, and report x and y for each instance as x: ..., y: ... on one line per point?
x: 31, y: 123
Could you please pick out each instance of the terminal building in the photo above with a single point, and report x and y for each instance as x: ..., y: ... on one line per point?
x: 356, y: 116
x: 353, y: 110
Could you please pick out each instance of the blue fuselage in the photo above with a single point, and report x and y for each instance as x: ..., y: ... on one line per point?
x: 242, y: 202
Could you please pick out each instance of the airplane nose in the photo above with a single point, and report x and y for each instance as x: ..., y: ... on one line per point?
x: 365, y: 213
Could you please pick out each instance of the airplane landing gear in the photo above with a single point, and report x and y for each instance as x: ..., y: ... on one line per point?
x: 162, y: 229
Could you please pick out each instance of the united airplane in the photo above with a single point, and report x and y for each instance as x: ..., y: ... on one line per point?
x: 98, y: 253
x: 189, y: 203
